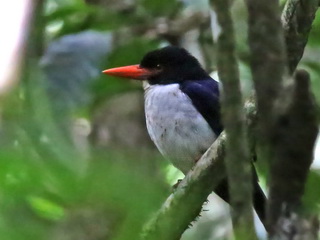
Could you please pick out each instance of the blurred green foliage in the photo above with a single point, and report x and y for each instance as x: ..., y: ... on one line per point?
x: 44, y: 179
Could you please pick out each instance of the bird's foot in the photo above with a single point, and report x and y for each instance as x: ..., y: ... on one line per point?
x: 174, y: 187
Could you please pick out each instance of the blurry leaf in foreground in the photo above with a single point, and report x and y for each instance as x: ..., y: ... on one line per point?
x: 45, y: 208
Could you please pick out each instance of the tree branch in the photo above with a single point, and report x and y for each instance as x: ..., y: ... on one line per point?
x: 297, y: 18
x: 294, y: 136
x: 238, y: 164
x: 268, y: 59
x: 185, y: 204
x: 286, y: 110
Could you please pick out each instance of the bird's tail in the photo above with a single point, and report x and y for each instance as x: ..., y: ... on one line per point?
x: 259, y: 198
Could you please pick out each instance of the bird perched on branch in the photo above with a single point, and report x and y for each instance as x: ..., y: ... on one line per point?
x: 182, y: 109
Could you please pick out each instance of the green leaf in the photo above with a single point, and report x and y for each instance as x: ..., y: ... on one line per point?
x: 45, y: 208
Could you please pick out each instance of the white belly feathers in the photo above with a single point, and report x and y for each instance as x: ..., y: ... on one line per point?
x: 175, y: 126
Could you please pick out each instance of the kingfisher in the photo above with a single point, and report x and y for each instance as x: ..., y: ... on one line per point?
x: 182, y: 109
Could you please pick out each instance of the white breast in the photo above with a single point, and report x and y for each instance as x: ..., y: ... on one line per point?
x: 175, y: 126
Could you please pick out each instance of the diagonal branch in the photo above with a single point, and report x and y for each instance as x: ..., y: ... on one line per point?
x: 185, y: 204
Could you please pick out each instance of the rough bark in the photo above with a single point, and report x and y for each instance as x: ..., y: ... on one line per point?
x: 237, y: 159
x: 297, y: 18
x: 294, y: 135
x: 286, y: 112
x: 268, y: 59
x: 185, y: 204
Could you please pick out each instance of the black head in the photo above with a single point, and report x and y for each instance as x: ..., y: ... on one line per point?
x: 172, y: 65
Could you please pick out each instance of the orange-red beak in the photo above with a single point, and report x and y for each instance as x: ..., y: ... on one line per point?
x: 133, y: 71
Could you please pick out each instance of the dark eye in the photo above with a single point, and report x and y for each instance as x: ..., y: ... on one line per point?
x: 158, y: 66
